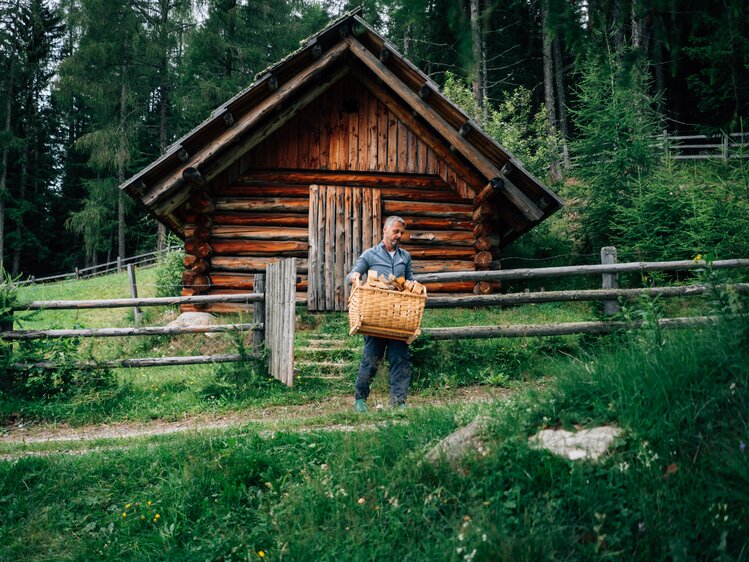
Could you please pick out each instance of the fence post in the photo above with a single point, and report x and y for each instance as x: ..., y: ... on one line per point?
x: 280, y: 300
x: 609, y: 280
x: 137, y: 314
x: 258, y: 314
x: 119, y: 264
x: 725, y: 147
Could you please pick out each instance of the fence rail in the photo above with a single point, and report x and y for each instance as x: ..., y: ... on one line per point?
x: 140, y: 260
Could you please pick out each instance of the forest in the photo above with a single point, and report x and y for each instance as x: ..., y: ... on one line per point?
x: 94, y: 90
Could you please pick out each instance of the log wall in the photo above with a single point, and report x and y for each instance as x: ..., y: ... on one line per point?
x: 353, y: 140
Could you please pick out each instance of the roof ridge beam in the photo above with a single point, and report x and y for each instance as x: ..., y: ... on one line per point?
x: 482, y: 164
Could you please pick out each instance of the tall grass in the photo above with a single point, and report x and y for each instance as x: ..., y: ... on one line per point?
x: 675, y: 487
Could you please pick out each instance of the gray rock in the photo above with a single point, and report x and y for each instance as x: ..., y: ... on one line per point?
x: 194, y: 319
x: 588, y: 444
x: 468, y: 439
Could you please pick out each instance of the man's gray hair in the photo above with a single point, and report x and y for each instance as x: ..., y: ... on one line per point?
x: 390, y: 220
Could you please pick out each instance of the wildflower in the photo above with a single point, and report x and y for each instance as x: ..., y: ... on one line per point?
x: 261, y: 553
x: 641, y: 526
x: 698, y: 257
x: 124, y: 515
x: 742, y: 446
x: 156, y: 518
x: 361, y: 501
x: 149, y: 502
x: 127, y: 506
x: 142, y: 517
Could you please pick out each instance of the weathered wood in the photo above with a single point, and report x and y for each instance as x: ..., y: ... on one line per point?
x: 486, y: 243
x: 567, y: 271
x: 339, y: 250
x: 193, y: 177
x: 138, y: 363
x: 249, y: 264
x: 511, y: 299
x: 260, y: 248
x: 330, y: 240
x: 258, y: 315
x: 256, y: 232
x: 451, y: 287
x: 18, y: 335
x: 252, y: 219
x: 152, y: 301
x: 521, y: 331
x: 436, y: 266
x: 483, y: 228
x: 248, y: 123
x: 201, y: 203
x: 436, y: 223
x: 609, y: 280
x: 482, y: 260
x: 486, y: 194
x: 426, y: 136
x: 196, y: 264
x: 280, y: 317
x: 137, y: 314
x: 448, y: 210
x: 487, y: 168
x: 244, y: 281
x: 443, y: 252
x: 198, y: 248
x: 438, y: 237
x: 314, y: 248
x: 282, y: 204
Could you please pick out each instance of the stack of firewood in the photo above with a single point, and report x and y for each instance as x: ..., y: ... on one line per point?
x: 393, y: 283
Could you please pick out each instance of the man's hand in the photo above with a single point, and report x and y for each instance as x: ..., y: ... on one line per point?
x: 355, y: 276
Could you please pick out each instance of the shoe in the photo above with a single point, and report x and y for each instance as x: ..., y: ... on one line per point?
x: 360, y: 406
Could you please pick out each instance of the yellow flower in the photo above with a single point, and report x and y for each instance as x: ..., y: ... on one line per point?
x: 142, y: 517
x: 698, y: 257
x: 127, y: 506
x: 156, y: 518
x: 149, y: 502
x: 124, y: 515
x: 261, y: 553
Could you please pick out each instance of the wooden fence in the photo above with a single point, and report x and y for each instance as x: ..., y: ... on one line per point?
x: 141, y: 260
x: 274, y: 306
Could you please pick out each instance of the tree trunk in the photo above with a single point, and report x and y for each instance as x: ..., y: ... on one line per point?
x: 121, y: 171
x: 549, y: 82
x: 4, y: 165
x: 477, y: 58
x: 164, y: 99
x: 561, y: 98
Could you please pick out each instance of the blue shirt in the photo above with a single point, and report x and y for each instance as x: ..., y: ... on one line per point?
x: 379, y: 259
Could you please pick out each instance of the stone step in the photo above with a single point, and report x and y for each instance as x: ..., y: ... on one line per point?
x: 321, y: 349
x: 325, y: 364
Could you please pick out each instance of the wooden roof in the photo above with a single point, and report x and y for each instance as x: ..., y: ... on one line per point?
x: 213, y: 150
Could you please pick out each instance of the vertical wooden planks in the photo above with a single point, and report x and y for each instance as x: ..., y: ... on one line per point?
x: 280, y: 304
x: 382, y: 136
x: 422, y: 156
x: 314, y: 245
x: 392, y: 144
x: 329, y: 271
x: 353, y: 141
x: 348, y: 248
x: 339, y: 247
x: 371, y: 133
x: 324, y: 136
x: 376, y: 217
x: 402, y: 146
x: 356, y: 220
x: 366, y: 218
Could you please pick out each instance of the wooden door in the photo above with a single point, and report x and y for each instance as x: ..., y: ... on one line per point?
x: 343, y: 221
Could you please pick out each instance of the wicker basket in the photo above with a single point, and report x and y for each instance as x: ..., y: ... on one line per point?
x: 385, y: 314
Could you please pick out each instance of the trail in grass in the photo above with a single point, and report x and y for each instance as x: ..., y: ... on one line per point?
x: 20, y: 434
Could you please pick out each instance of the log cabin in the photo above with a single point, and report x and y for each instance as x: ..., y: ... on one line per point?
x: 309, y: 160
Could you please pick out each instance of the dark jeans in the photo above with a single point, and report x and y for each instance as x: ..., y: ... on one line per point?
x: 400, y: 368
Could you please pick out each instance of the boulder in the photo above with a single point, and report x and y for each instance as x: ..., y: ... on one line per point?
x: 588, y: 444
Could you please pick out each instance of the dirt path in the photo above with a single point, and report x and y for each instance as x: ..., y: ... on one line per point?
x: 20, y: 434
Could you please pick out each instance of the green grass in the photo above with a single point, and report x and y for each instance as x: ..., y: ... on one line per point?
x: 675, y: 487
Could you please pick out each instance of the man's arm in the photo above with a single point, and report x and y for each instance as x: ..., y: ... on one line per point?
x: 360, y: 268
x: 409, y: 270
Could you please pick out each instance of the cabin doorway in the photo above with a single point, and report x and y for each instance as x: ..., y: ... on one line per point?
x: 343, y: 221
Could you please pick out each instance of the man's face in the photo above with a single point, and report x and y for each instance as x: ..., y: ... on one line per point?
x: 392, y: 234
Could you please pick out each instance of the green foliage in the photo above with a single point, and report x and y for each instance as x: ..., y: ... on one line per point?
x: 617, y: 123
x: 249, y: 376
x: 66, y: 379
x: 513, y: 124
x: 169, y: 274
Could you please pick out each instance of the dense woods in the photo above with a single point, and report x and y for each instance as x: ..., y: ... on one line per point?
x: 93, y: 90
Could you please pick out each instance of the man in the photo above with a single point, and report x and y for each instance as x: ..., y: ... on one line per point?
x: 386, y: 258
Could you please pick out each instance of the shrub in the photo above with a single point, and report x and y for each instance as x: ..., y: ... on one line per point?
x: 169, y: 274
